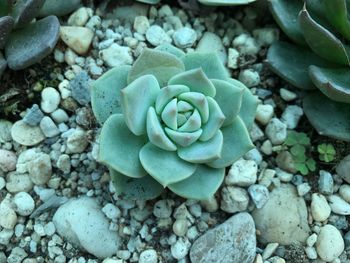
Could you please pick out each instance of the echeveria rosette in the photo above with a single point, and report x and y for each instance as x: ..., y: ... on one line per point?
x: 171, y: 120
x: 318, y: 60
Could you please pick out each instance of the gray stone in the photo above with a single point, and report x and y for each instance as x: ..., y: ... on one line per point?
x: 80, y: 88
x: 234, y: 199
x: 33, y: 116
x: 82, y: 223
x: 347, y: 239
x: 233, y: 241
x: 283, y: 219
x: 32, y: 43
x: 343, y: 168
x: 259, y: 194
x: 325, y: 183
x: 59, y: 7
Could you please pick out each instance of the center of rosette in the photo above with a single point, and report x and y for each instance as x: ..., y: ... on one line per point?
x: 180, y: 114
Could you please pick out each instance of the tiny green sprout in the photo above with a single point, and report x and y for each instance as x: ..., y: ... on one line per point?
x: 326, y: 152
x: 299, y: 142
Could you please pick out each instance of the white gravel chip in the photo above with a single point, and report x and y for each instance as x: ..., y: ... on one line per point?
x: 116, y: 55
x: 264, y: 113
x: 141, y: 24
x: 344, y: 192
x: 148, y: 256
x: 26, y: 135
x: 50, y: 98
x: 249, y: 77
x: 184, y: 37
x: 276, y: 131
x: 242, y: 173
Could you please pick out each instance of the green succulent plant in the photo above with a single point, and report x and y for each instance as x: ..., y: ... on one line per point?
x: 171, y: 120
x: 317, y: 61
x: 208, y: 2
x: 25, y: 42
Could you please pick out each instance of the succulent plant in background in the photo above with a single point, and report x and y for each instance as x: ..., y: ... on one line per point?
x: 208, y: 2
x: 318, y: 61
x: 26, y: 42
x: 171, y: 120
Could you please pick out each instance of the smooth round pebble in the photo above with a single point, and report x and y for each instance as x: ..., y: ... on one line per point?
x: 24, y: 203
x: 2, y: 183
x: 320, y: 210
x: 338, y: 205
x: 162, y: 209
x: 26, y: 135
x: 344, y: 192
x: 50, y: 98
x: 180, y: 227
x: 330, y: 243
x: 148, y: 256
x: 179, y: 250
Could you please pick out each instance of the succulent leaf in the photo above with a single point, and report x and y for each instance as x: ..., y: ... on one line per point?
x: 170, y: 169
x: 203, y: 152
x: 136, y: 98
x: 334, y: 83
x: 114, y: 136
x: 183, y: 106
x: 166, y: 47
x: 196, y: 80
x: 249, y: 104
x: 337, y: 15
x: 236, y: 143
x: 286, y: 14
x: 25, y: 11
x: 155, y: 132
x: 6, y: 25
x: 169, y: 114
x: 202, y: 185
x: 144, y: 188
x: 43, y: 33
x: 321, y: 40
x: 229, y: 97
x: 167, y: 93
x: 225, y: 2
x: 183, y: 139
x: 193, y: 122
x: 292, y: 63
x: 160, y: 64
x: 329, y: 118
x: 105, y: 93
x: 151, y: 2
x: 199, y: 101
x: 210, y: 63
x: 216, y: 119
